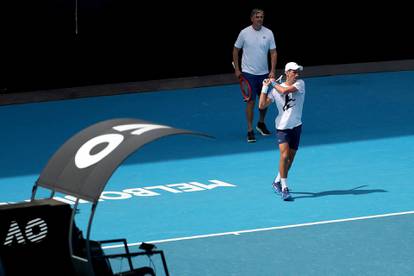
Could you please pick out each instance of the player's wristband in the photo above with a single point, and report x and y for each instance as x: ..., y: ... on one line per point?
x: 265, y: 89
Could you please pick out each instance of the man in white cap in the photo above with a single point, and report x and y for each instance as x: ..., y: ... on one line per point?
x: 289, y: 97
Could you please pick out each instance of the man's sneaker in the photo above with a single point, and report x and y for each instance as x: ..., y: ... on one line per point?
x: 286, y: 195
x: 261, y: 127
x: 277, y: 187
x: 250, y: 137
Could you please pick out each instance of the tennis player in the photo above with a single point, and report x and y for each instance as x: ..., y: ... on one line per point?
x: 289, y: 97
x: 256, y: 41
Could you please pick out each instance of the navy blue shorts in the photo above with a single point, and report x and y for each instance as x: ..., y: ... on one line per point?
x: 256, y: 82
x: 290, y: 136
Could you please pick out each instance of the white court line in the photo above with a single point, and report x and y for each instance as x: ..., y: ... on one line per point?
x: 267, y: 229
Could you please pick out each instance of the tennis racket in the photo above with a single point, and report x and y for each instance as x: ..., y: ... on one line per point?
x: 281, y: 79
x: 245, y: 88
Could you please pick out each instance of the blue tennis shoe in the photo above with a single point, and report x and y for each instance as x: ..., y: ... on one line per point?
x: 286, y: 195
x: 277, y: 187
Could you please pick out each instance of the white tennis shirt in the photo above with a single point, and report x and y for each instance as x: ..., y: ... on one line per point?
x: 256, y: 46
x: 289, y: 106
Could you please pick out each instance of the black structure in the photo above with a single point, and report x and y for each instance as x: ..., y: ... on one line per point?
x: 83, y: 165
x: 80, y: 168
x: 34, y: 238
x: 89, y: 42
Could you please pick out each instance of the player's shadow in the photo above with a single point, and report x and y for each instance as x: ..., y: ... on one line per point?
x: 354, y: 191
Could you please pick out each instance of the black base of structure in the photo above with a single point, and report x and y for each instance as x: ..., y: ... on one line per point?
x: 34, y: 238
x: 34, y: 241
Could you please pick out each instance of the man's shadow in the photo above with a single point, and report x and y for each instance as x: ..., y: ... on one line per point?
x: 354, y: 191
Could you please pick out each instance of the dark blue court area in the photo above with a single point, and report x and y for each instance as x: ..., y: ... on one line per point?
x: 208, y: 203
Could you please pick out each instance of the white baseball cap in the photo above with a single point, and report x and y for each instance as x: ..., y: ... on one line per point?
x: 293, y: 66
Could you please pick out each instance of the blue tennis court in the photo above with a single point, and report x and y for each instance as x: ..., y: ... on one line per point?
x: 208, y: 203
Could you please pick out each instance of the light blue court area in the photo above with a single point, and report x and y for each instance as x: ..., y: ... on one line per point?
x: 208, y: 203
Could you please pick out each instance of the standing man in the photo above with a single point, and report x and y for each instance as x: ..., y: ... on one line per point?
x: 289, y: 98
x: 256, y: 41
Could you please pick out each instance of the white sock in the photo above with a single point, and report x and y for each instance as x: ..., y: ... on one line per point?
x: 283, y: 182
x: 277, y: 179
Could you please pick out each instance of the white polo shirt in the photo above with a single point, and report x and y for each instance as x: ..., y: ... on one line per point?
x: 289, y: 106
x: 256, y: 46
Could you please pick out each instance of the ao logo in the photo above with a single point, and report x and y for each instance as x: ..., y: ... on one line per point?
x: 35, y: 231
x: 84, y: 158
